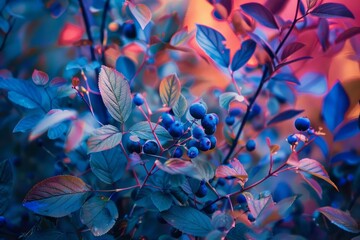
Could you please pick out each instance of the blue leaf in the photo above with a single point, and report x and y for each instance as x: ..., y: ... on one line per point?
x: 286, y: 77
x: 335, y: 105
x: 211, y: 41
x: 243, y: 55
x: 284, y: 116
x: 261, y: 14
x: 313, y: 83
x: 126, y: 66
x: 263, y: 43
x: 6, y: 184
x: 349, y: 157
x: 27, y: 123
x: 162, y: 201
x: 348, y: 130
x: 57, y: 131
x: 332, y: 10
x: 321, y: 143
x: 239, y: 232
x: 323, y: 34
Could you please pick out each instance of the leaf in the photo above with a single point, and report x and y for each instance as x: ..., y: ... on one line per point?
x: 263, y: 43
x: 222, y: 221
x: 288, y: 114
x: 27, y: 123
x: 170, y: 90
x: 57, y: 131
x: 311, y: 3
x: 292, y: 61
x: 162, y: 201
x: 188, y: 220
x: 340, y: 218
x: 313, y: 184
x: 4, y: 25
x: 75, y: 135
x: 258, y: 205
x: 347, y: 130
x: 48, y: 234
x: 180, y: 107
x: 104, y: 138
x: 286, y: 77
x: 291, y: 48
x: 57, y: 196
x: 243, y: 55
x: 6, y: 185
x: 211, y: 41
x: 335, y: 105
x: 315, y: 168
x: 332, y: 10
x: 109, y: 166
x: 236, y: 169
x: 204, y: 168
x: 126, y: 66
x: 143, y: 130
x: 239, y: 232
x: 348, y: 33
x: 52, y: 118
x: 141, y: 13
x: 261, y: 14
x: 313, y: 83
x: 115, y: 92
x: 99, y: 214
x: 323, y: 33
x: 40, y: 78
x: 226, y: 98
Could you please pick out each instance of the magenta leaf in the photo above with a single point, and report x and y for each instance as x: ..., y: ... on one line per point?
x: 288, y: 114
x: 291, y: 48
x: 40, y: 78
x: 104, y: 138
x: 243, y: 55
x: 340, y: 218
x: 141, y: 13
x: 332, y: 10
x: 348, y: 33
x: 261, y: 14
x: 313, y: 184
x: 323, y: 33
x: 236, y: 169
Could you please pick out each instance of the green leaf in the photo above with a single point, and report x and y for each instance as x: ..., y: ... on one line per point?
x: 57, y: 196
x: 170, y: 90
x: 226, y: 98
x: 104, y: 138
x: 109, y: 166
x: 180, y: 107
x: 188, y: 220
x: 239, y: 232
x: 143, y: 130
x: 6, y: 184
x: 162, y: 201
x: 340, y: 218
x: 99, y: 214
x: 115, y: 92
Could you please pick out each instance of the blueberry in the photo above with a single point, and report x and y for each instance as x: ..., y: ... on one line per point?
x: 178, y: 152
x: 2, y: 221
x: 255, y: 111
x: 151, y: 147
x: 235, y: 112
x: 138, y: 99
x: 292, y: 139
x: 176, y: 129
x: 204, y: 144
x: 197, y: 110
x: 216, y: 118
x: 213, y: 141
x: 211, y: 208
x: 241, y: 199
x: 167, y: 120
x: 250, y: 145
x: 198, y: 132
x: 210, y: 131
x: 230, y: 120
x: 175, y: 233
x: 192, y: 143
x: 129, y: 30
x: 209, y: 121
x: 251, y: 217
x: 160, y: 219
x: 133, y: 146
x: 193, y: 152
x: 302, y: 123
x: 202, y: 191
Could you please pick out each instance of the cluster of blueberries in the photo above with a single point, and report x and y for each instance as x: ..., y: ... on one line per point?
x: 301, y: 124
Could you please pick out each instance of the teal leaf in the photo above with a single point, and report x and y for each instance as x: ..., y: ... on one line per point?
x: 222, y: 221
x: 109, y: 166
x: 180, y: 107
x: 57, y: 196
x: 6, y: 184
x: 239, y: 232
x: 162, y: 201
x: 104, y: 138
x: 340, y: 218
x: 57, y: 131
x: 188, y: 220
x: 115, y: 92
x: 99, y: 214
x: 40, y: 78
x: 226, y: 98
x: 126, y: 66
x: 27, y: 123
x: 143, y: 130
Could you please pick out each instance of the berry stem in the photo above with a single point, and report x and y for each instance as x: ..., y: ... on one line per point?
x: 102, y: 30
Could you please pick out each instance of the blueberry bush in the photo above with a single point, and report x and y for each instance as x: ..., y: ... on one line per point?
x: 146, y: 120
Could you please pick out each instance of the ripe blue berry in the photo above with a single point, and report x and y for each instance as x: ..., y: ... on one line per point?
x: 204, y: 144
x: 151, y: 147
x: 230, y: 120
x: 178, y: 153
x: 213, y: 141
x: 211, y: 208
x: 192, y: 143
x: 176, y: 129
x: 129, y: 30
x: 241, y: 199
x: 221, y: 182
x: 209, y: 121
x: 250, y: 145
x: 202, y: 191
x: 167, y: 120
x: 133, y: 146
x: 197, y: 110
x: 302, y: 123
x: 216, y: 118
x: 255, y: 111
x: 251, y: 217
x: 235, y: 112
x: 193, y: 152
x: 138, y: 99
x: 198, y: 132
x: 175, y: 233
x: 210, y: 131
x: 292, y: 139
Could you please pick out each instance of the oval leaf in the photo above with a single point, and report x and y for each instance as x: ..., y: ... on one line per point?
x: 188, y: 220
x: 332, y: 10
x: 261, y: 14
x: 170, y: 90
x: 348, y: 130
x: 141, y: 13
x: 291, y: 48
x: 180, y: 107
x: 348, y: 33
x: 340, y: 218
x: 57, y: 196
x: 143, y: 130
x: 104, y: 138
x: 40, y: 78
x: 27, y: 123
x: 236, y: 169
x: 162, y: 201
x: 99, y: 214
x: 226, y: 98
x: 284, y: 116
x: 243, y: 55
x: 115, y: 92
x: 286, y: 77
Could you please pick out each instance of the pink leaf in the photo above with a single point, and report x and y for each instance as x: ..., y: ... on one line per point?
x: 40, y: 78
x: 340, y: 218
x: 237, y: 170
x: 75, y: 135
x: 141, y: 13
